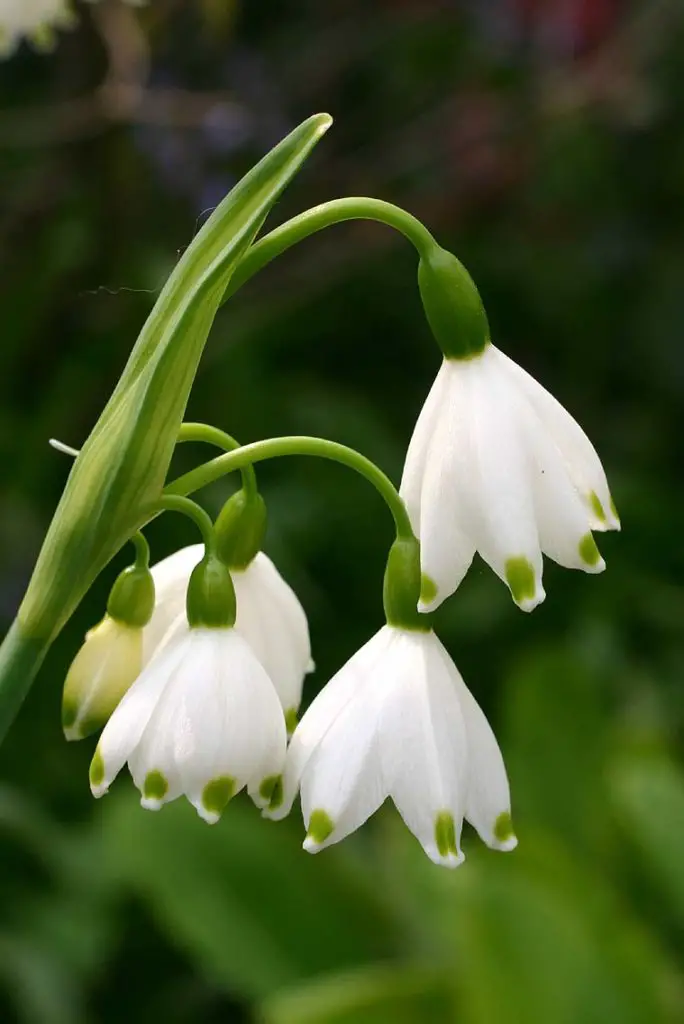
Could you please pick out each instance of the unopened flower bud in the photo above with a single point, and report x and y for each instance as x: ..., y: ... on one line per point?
x: 111, y: 656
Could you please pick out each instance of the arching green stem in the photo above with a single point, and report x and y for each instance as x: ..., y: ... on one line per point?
x: 323, y: 216
x: 204, y: 432
x: 142, y: 550
x: 189, y: 508
x: 275, y: 447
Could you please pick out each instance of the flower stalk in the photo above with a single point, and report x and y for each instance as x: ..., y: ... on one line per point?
x: 276, y: 447
x: 310, y: 222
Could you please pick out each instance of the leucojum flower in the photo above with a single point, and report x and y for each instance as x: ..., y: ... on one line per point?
x: 398, y: 721
x: 269, y: 617
x: 203, y: 719
x: 195, y: 673
x: 496, y: 465
x: 38, y: 21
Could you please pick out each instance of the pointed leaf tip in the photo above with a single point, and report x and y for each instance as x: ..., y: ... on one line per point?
x: 323, y: 121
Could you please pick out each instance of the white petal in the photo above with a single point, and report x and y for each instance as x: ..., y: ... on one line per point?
x: 326, y: 708
x: 125, y: 728
x: 343, y: 777
x: 273, y: 622
x: 581, y: 458
x: 563, y: 519
x: 421, y: 443
x: 488, y: 802
x: 228, y: 727
x: 289, y: 604
x: 447, y: 549
x: 501, y: 515
x: 423, y: 743
x: 177, y: 628
x: 171, y: 577
x: 153, y: 762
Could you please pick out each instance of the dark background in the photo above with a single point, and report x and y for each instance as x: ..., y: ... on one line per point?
x: 544, y: 143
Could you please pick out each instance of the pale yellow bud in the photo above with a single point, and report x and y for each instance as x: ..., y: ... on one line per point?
x: 100, y: 674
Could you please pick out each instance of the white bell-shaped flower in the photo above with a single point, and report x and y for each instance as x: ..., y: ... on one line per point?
x: 497, y: 465
x: 269, y: 617
x: 204, y: 720
x: 100, y: 674
x: 35, y: 20
x: 397, y: 720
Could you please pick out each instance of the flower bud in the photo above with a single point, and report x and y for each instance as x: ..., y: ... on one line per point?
x: 111, y: 656
x: 100, y: 674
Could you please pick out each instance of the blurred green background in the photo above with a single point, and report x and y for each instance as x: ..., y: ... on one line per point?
x: 541, y: 140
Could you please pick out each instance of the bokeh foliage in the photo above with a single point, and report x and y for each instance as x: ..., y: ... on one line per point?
x: 547, y: 150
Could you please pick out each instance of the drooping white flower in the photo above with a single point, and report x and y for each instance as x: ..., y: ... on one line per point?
x: 203, y: 719
x: 397, y: 720
x: 497, y: 465
x: 100, y: 674
x: 269, y: 617
x: 35, y: 20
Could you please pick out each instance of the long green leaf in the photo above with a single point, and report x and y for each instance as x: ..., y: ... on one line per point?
x: 122, y: 466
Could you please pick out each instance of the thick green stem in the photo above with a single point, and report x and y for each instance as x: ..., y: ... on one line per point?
x: 323, y: 216
x: 316, y: 446
x: 20, y: 658
x: 207, y: 434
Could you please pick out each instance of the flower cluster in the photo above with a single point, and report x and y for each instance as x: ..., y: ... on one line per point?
x: 195, y: 674
x: 202, y: 705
